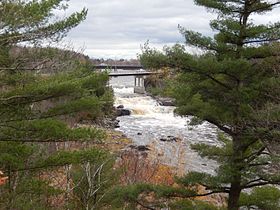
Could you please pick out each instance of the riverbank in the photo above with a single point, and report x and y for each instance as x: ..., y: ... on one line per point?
x: 143, y: 164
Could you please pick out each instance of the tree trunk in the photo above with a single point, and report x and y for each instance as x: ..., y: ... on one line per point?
x: 235, y: 184
x: 234, y: 195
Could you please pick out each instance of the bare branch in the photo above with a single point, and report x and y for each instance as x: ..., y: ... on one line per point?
x: 145, y: 206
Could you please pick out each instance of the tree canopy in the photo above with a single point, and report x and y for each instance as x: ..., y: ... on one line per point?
x: 41, y: 112
x: 234, y: 85
x: 34, y: 21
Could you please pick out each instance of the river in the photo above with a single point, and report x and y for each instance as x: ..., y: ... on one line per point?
x: 150, y: 122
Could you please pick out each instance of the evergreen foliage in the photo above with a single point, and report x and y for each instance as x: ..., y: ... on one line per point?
x: 266, y: 198
x: 40, y: 112
x: 158, y: 196
x: 234, y: 85
x: 34, y: 21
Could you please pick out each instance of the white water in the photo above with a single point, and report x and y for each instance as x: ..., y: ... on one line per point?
x: 153, y: 122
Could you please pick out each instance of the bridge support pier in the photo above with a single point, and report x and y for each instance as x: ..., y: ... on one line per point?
x: 139, y: 77
x: 139, y: 85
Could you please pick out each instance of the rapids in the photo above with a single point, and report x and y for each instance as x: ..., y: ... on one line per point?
x: 150, y: 122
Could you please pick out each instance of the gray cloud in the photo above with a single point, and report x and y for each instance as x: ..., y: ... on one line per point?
x: 117, y: 28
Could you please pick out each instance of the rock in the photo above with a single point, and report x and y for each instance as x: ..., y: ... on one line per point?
x: 123, y: 112
x: 120, y: 107
x: 166, y: 101
x: 118, y: 112
x: 140, y: 148
x: 170, y: 139
x: 109, y: 123
x: 116, y: 123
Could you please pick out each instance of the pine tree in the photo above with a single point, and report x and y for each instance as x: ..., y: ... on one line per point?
x: 234, y: 85
x: 36, y: 109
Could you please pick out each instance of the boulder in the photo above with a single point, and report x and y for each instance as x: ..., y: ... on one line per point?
x: 166, y: 101
x: 123, y: 112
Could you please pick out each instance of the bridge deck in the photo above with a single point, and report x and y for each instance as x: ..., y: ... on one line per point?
x: 119, y: 74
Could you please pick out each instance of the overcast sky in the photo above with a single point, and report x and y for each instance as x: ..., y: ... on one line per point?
x: 117, y: 28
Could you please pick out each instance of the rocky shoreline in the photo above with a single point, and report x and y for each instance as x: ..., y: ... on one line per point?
x: 163, y: 101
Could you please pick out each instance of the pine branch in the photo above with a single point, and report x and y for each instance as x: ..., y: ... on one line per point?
x: 254, y: 155
x: 230, y: 75
x: 208, y: 76
x: 265, y: 7
x: 252, y: 181
x: 213, y: 192
x: 48, y: 140
x: 260, y: 41
x: 216, y: 81
x: 14, y: 97
x: 42, y: 117
x: 35, y: 168
x: 15, y: 69
x: 32, y: 118
x: 43, y: 98
x: 221, y: 127
x: 200, y: 195
x: 261, y: 184
x: 259, y: 164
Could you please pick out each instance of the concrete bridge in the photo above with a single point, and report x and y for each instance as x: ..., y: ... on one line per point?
x: 139, y: 78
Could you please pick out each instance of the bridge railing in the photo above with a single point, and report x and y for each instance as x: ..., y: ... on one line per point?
x: 123, y: 67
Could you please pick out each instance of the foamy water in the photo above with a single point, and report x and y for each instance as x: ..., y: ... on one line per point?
x: 149, y: 122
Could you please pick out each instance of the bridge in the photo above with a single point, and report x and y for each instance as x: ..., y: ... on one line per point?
x: 123, y: 74
x: 116, y: 67
x: 139, y: 78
